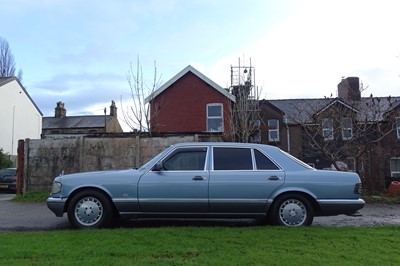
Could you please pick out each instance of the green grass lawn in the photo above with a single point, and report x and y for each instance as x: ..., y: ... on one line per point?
x: 204, y: 246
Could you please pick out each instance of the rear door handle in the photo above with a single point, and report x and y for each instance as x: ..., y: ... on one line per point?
x: 274, y: 177
x: 199, y: 178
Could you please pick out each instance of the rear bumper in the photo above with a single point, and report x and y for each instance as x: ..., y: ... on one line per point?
x: 334, y: 207
x: 56, y: 205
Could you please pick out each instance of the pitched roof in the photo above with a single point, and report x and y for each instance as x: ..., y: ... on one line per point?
x: 4, y: 81
x: 370, y: 108
x: 87, y: 121
x: 187, y: 69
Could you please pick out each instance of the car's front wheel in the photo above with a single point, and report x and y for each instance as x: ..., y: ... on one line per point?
x: 292, y: 210
x: 90, y: 209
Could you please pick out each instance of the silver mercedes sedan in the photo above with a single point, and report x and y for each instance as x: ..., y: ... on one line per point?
x: 208, y: 180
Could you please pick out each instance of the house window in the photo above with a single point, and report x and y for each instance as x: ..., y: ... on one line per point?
x: 398, y: 127
x: 215, y: 122
x: 347, y: 129
x: 351, y: 164
x: 327, y: 128
x: 273, y: 130
x: 395, y: 167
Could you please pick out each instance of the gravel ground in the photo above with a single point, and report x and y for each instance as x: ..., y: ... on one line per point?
x: 16, y: 216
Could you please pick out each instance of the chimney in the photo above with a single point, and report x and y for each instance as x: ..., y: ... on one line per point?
x: 113, y: 109
x: 60, y: 110
x: 349, y: 89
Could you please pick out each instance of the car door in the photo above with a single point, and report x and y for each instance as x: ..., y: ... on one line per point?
x: 241, y: 180
x: 177, y: 183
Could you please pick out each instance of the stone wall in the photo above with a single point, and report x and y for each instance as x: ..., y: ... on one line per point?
x: 45, y: 159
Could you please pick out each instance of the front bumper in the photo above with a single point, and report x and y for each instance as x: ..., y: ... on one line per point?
x: 57, y: 205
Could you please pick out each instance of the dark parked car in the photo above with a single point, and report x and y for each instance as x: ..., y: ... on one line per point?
x: 209, y: 180
x: 8, y: 178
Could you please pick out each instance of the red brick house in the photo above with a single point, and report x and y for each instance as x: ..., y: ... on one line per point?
x: 362, y: 132
x: 190, y: 103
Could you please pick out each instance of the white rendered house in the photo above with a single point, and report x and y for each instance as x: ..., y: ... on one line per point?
x: 20, y: 118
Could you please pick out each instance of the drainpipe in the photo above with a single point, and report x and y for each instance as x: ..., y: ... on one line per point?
x: 287, y: 132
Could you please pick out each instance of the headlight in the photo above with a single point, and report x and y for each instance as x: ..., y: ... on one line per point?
x: 56, y: 188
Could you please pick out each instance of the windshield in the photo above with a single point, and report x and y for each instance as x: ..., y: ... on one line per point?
x: 8, y: 172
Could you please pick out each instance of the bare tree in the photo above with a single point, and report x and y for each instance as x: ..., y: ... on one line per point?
x: 346, y: 132
x: 7, y: 63
x: 137, y: 115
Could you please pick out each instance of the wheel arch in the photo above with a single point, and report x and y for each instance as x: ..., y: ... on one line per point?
x: 94, y: 188
x: 307, y: 194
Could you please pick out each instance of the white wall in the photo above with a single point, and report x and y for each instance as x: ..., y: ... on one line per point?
x: 19, y: 118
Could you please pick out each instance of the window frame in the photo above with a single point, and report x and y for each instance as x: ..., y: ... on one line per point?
x: 232, y: 148
x: 276, y: 130
x: 398, y: 127
x: 208, y: 117
x: 394, y: 171
x: 348, y: 129
x: 351, y: 161
x: 327, y: 129
x: 186, y: 150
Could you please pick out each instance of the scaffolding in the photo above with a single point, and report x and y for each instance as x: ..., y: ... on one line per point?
x: 245, y: 110
x: 243, y: 81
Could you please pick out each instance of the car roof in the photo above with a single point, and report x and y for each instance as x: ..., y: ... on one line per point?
x: 226, y: 144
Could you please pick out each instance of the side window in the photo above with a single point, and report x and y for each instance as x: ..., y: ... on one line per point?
x: 263, y: 163
x: 232, y: 159
x: 186, y: 159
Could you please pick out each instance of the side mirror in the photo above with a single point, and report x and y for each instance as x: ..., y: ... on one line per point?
x: 159, y: 166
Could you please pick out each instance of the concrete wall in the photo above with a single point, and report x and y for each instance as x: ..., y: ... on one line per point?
x: 45, y: 159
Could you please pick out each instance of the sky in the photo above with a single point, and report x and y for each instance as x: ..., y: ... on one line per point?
x: 79, y: 52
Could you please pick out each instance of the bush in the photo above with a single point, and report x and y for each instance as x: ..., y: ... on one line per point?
x: 4, y: 161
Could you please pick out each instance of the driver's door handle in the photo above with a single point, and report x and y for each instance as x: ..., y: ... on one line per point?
x: 199, y: 178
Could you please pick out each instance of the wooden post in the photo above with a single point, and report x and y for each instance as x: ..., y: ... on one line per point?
x: 20, y: 165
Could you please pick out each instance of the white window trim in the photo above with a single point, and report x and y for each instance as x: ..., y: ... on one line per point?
x: 324, y: 129
x: 215, y: 117
x: 391, y: 169
x: 350, y: 129
x: 398, y: 127
x: 270, y: 139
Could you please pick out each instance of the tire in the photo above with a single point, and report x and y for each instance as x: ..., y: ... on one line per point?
x: 292, y: 210
x: 90, y: 209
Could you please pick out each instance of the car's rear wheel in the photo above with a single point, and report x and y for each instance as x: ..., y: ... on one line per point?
x: 292, y: 210
x: 90, y: 209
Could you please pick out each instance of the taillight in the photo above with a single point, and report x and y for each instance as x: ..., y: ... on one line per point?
x: 358, y: 188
